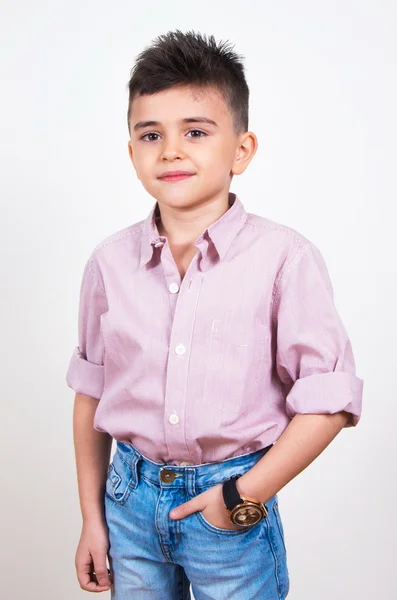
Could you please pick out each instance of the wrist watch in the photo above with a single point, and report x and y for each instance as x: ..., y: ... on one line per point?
x: 242, y: 510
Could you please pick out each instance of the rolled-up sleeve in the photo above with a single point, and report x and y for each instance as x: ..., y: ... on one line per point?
x: 85, y: 374
x: 314, y: 357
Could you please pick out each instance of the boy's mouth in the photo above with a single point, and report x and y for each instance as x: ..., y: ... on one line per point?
x: 175, y: 175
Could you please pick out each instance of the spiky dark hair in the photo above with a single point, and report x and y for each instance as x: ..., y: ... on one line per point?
x: 178, y: 59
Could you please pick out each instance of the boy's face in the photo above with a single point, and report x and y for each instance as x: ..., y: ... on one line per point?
x: 213, y: 153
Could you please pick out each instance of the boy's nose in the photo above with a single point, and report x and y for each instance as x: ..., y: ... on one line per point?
x: 170, y: 149
x: 171, y: 154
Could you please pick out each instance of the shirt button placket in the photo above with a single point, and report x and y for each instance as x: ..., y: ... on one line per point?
x: 178, y: 365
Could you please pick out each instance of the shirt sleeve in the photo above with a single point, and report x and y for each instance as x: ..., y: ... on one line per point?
x: 314, y: 357
x: 85, y: 374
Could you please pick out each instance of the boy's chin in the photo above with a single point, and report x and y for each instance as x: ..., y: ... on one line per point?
x: 179, y: 200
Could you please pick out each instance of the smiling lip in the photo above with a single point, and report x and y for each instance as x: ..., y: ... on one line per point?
x: 175, y: 175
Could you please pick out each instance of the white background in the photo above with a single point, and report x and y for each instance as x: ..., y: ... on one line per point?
x: 322, y: 77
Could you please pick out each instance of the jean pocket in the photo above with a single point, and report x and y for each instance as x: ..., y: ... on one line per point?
x: 120, y: 480
x: 214, y: 529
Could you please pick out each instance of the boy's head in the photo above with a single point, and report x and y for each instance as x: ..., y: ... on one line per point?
x: 188, y: 111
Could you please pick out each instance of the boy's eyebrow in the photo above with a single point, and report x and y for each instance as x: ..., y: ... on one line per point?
x: 142, y: 124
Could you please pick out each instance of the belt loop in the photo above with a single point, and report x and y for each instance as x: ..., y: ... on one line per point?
x: 191, y: 481
x: 134, y: 468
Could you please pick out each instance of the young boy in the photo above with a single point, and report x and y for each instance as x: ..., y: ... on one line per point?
x: 206, y: 335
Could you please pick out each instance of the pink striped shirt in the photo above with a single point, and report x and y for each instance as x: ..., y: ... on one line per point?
x: 213, y: 365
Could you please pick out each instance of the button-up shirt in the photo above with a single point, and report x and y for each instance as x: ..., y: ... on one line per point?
x: 216, y: 364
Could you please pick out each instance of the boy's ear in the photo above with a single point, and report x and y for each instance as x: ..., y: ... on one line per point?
x: 245, y: 152
x: 131, y: 154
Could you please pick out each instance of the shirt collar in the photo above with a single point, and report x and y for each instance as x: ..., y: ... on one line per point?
x: 222, y: 232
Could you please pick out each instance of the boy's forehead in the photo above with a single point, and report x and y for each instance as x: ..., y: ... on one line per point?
x: 178, y: 103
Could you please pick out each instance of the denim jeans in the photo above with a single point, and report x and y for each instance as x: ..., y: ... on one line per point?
x: 155, y: 557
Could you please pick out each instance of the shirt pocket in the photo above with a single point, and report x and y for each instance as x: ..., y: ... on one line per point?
x: 237, y: 357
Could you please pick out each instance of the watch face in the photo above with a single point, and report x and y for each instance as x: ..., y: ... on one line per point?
x: 246, y: 515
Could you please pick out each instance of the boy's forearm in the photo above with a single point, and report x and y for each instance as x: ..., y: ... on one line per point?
x: 301, y: 442
x: 92, y: 452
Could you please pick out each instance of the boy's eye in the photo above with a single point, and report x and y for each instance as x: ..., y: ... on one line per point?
x: 146, y: 139
x: 145, y: 136
x: 197, y: 131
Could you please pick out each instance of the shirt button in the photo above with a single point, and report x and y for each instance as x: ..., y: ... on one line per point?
x: 184, y: 463
x: 158, y: 244
x: 180, y: 349
x: 174, y: 288
x: 173, y: 419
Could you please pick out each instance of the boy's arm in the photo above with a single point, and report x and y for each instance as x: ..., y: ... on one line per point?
x: 92, y: 452
x: 86, y: 377
x: 301, y: 442
x: 305, y: 437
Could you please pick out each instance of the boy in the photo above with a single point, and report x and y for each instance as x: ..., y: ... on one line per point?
x: 206, y: 335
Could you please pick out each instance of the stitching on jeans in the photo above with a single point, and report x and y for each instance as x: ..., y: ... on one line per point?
x: 213, y: 529
x: 149, y: 480
x: 275, y: 557
x: 114, y: 484
x: 156, y: 520
x: 130, y: 470
x: 278, y: 521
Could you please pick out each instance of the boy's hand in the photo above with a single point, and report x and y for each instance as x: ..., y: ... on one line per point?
x: 210, y: 501
x: 91, y: 557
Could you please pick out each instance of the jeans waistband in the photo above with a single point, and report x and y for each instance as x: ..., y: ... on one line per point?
x: 203, y: 475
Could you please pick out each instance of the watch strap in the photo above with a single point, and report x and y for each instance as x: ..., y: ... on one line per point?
x: 231, y: 497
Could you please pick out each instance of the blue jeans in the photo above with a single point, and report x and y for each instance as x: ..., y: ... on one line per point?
x: 155, y: 557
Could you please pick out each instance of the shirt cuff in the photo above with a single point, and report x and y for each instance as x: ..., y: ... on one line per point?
x: 85, y: 377
x: 327, y: 393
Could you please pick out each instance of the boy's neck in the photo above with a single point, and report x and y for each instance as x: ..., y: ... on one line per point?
x: 183, y: 227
